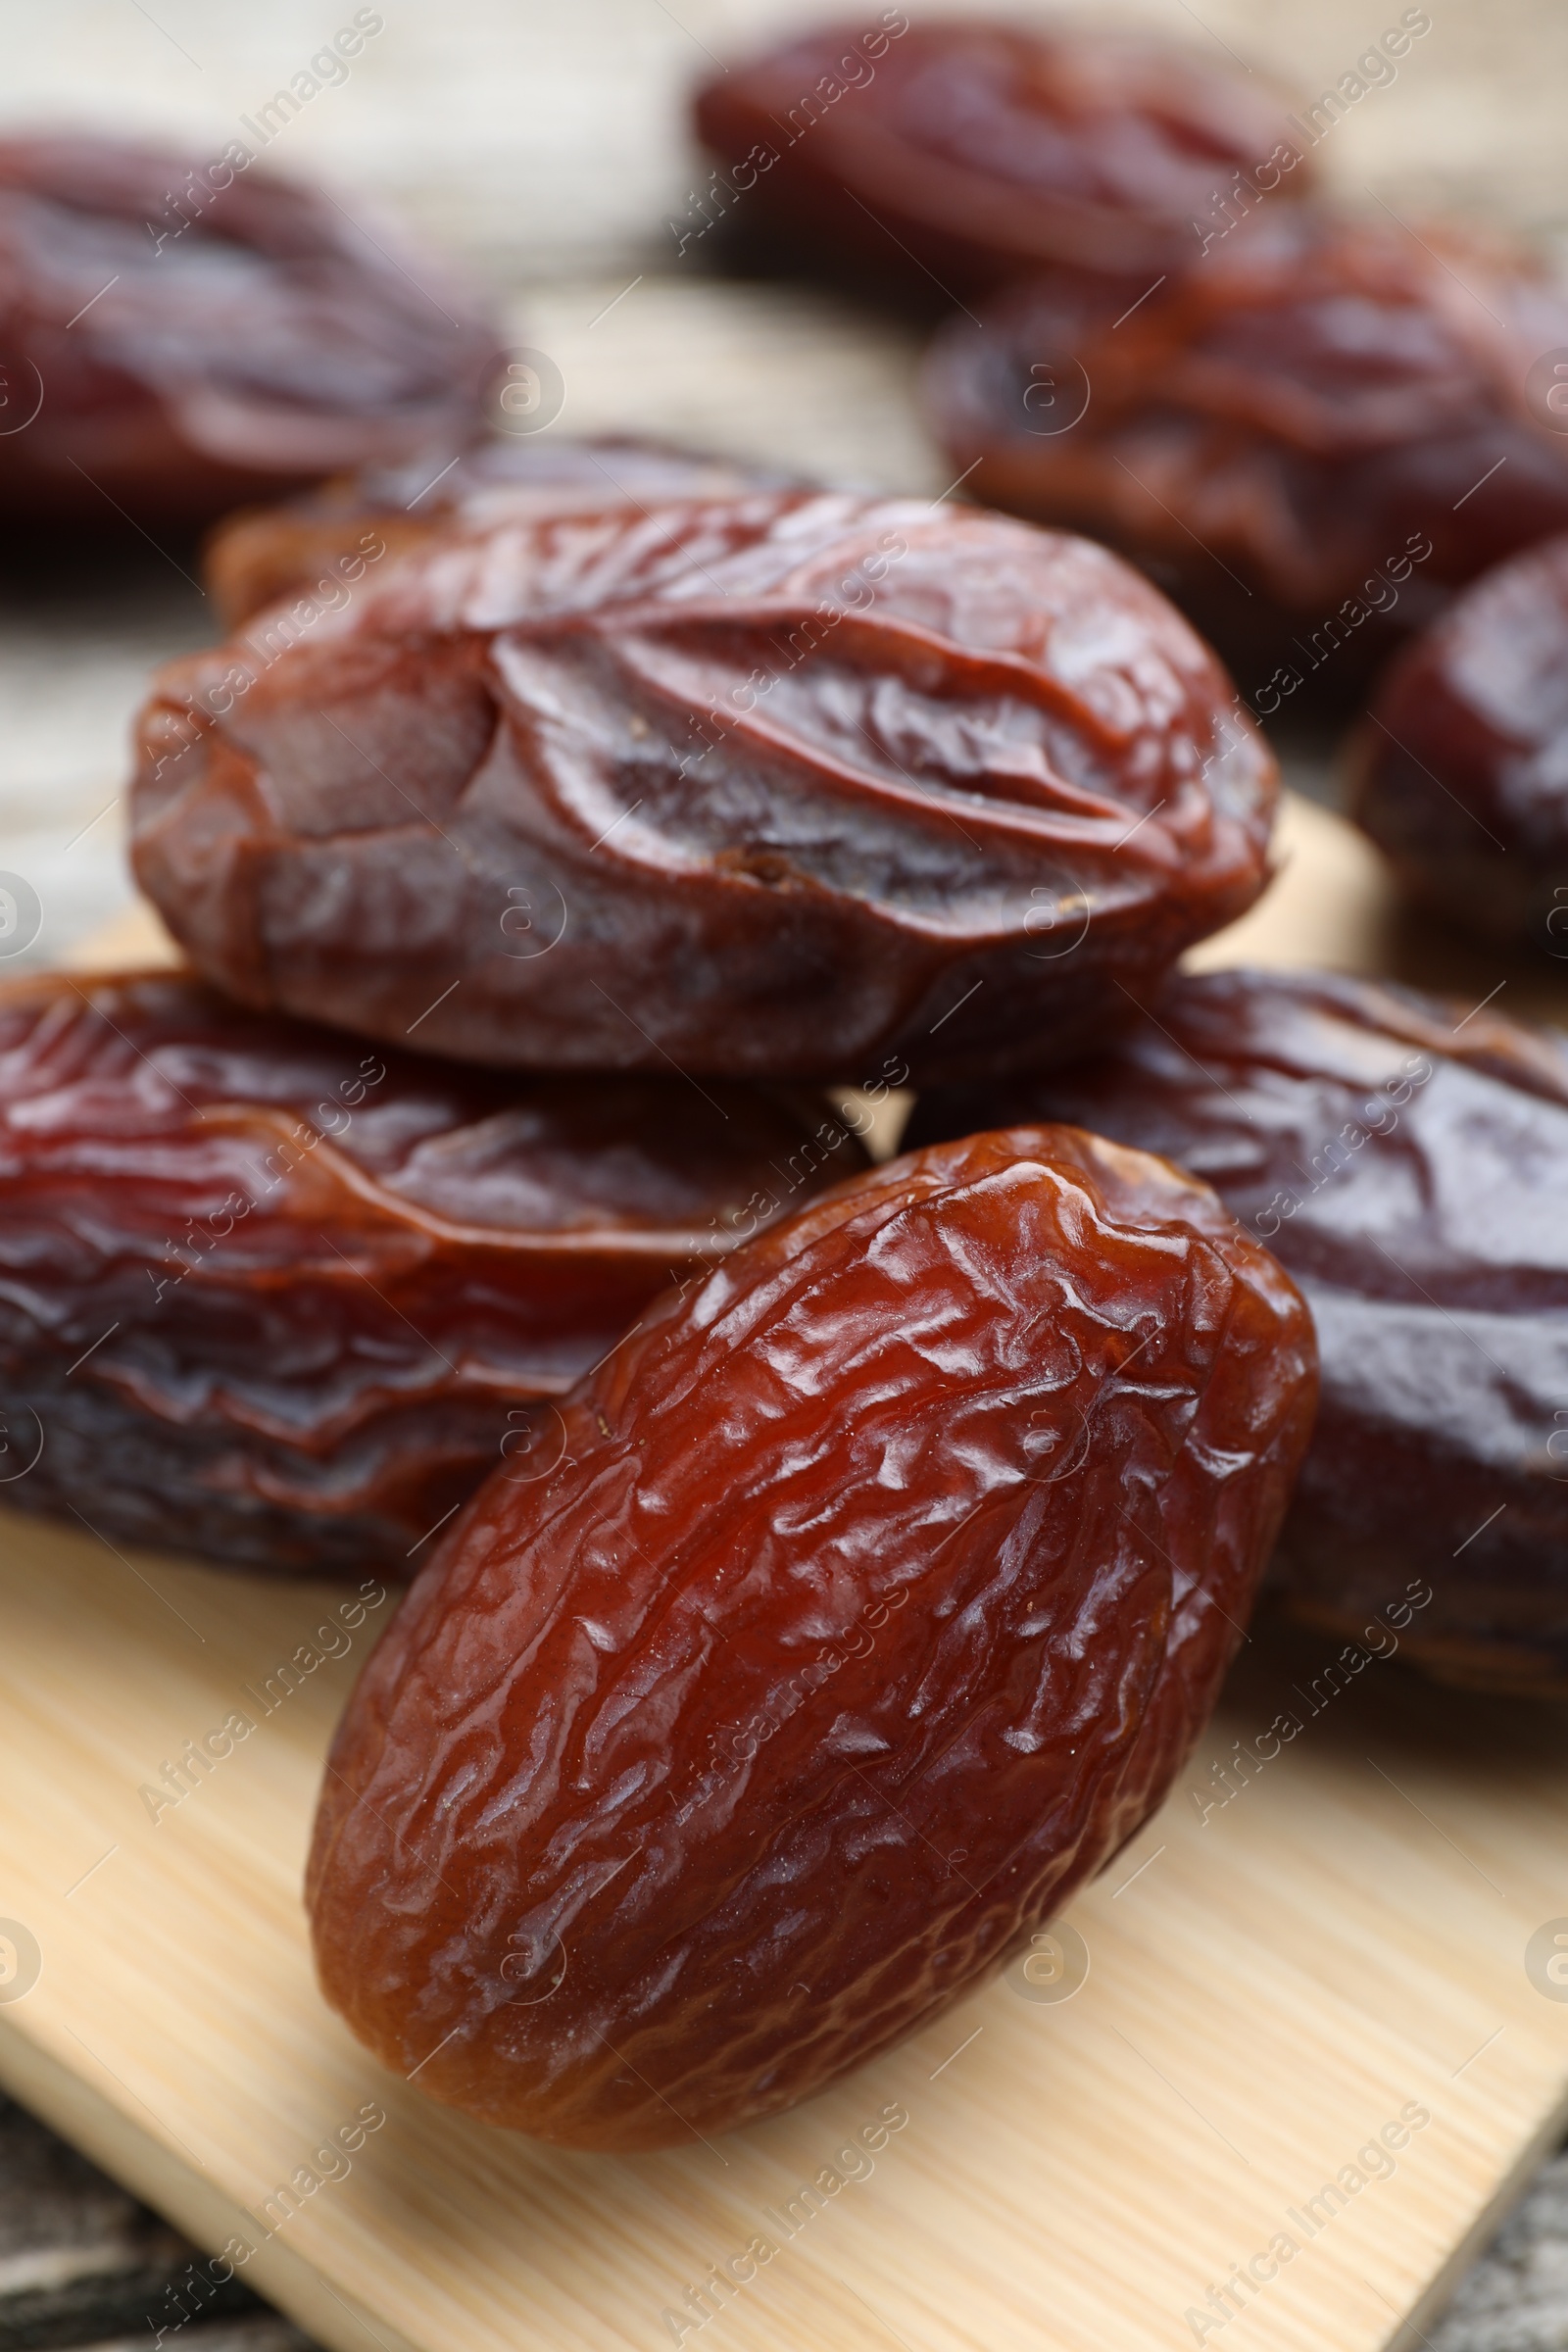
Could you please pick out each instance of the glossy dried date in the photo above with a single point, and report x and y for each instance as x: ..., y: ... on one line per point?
x: 781, y: 785
x: 1460, y: 773
x: 293, y: 548
x: 887, y: 1580
x: 198, y: 332
x: 1408, y: 1162
x: 281, y: 1300
x: 1309, y: 438
x: 946, y: 157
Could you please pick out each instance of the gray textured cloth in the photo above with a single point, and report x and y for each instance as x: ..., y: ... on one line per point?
x: 81, y: 2263
x: 1516, y: 2297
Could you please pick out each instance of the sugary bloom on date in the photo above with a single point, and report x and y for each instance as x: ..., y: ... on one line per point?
x: 886, y: 1581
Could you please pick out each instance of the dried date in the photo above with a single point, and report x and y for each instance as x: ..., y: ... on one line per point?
x: 189, y: 335
x: 886, y: 1582
x: 1460, y: 773
x: 300, y: 546
x: 1408, y: 1162
x: 1310, y: 438
x: 777, y: 785
x: 946, y: 158
x: 281, y: 1300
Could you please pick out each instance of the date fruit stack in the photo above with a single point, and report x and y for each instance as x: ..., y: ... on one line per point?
x: 632, y: 812
x: 885, y: 1582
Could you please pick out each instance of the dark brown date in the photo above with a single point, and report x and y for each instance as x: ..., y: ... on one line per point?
x: 177, y: 335
x: 1408, y: 1162
x: 780, y: 785
x: 272, y: 1298
x: 948, y: 157
x: 887, y: 1580
x: 300, y: 547
x: 1309, y: 439
x: 1460, y: 773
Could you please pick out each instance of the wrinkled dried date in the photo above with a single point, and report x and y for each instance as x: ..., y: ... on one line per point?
x: 1461, y: 774
x: 276, y: 1298
x: 1278, y: 433
x: 195, y: 334
x: 944, y: 158
x: 886, y: 1583
x: 1410, y: 1167
x: 779, y: 785
x: 254, y: 559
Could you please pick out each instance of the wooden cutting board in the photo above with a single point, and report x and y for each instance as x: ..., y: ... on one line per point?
x: 1314, y: 2019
